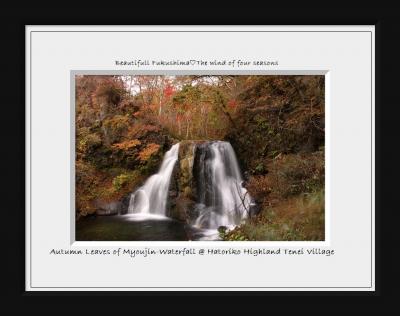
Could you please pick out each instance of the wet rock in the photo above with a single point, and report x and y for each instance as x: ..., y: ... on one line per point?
x: 111, y: 208
x: 186, y: 159
x: 124, y: 204
x: 180, y: 209
x: 254, y: 209
x: 181, y: 195
x: 222, y: 229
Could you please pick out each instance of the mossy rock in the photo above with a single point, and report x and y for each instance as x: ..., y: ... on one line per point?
x: 180, y: 210
x: 186, y: 160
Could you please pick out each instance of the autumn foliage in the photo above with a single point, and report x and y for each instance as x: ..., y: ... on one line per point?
x: 276, y: 124
x: 127, y: 144
x: 147, y: 152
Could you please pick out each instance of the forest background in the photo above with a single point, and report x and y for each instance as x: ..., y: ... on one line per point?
x: 276, y: 125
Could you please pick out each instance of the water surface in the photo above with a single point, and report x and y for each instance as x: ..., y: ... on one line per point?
x: 130, y: 228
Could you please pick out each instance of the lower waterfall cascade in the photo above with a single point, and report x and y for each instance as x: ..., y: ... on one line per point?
x: 151, y: 198
x: 221, y: 199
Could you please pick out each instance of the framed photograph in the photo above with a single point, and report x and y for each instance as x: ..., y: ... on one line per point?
x: 200, y: 158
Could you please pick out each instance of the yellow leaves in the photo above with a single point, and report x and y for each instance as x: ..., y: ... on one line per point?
x: 87, y: 141
x: 117, y: 123
x: 150, y: 149
x: 123, y: 179
x: 127, y: 144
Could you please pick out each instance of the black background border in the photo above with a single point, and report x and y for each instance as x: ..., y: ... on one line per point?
x: 387, y: 34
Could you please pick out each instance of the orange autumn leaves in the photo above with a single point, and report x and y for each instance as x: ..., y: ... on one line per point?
x: 150, y: 149
x: 127, y: 144
x: 145, y: 154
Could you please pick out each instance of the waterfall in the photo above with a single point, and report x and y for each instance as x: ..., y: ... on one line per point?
x: 152, y: 197
x: 219, y: 199
x: 222, y: 200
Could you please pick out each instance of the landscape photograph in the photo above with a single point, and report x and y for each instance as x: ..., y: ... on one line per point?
x: 199, y: 157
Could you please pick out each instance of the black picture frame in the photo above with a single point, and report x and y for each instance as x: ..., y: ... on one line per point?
x: 386, y: 65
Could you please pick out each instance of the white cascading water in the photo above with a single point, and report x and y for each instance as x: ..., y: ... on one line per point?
x: 222, y: 201
x: 151, y: 198
x: 221, y: 198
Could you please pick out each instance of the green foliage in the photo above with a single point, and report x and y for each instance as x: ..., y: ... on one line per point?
x: 288, y: 175
x: 218, y: 97
x: 262, y: 123
x: 120, y: 181
x: 234, y: 235
x: 123, y: 179
x: 299, y: 218
x: 87, y: 141
x: 188, y: 95
x: 115, y: 127
x: 260, y: 168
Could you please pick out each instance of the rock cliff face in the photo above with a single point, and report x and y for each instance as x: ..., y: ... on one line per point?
x: 186, y: 160
x: 182, y: 192
x: 117, y: 207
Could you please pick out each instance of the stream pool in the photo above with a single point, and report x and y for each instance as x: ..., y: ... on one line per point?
x: 138, y: 227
